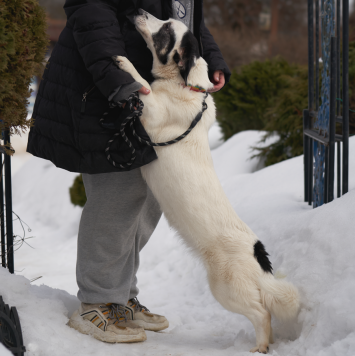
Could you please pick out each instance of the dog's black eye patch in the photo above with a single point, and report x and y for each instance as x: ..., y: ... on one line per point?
x: 190, y: 45
x: 262, y: 257
x: 164, y: 41
x: 190, y: 52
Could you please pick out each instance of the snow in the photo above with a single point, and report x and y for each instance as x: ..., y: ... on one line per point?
x: 215, y: 136
x: 4, y: 351
x: 313, y: 248
x: 234, y: 156
x: 20, y: 156
x: 19, y: 142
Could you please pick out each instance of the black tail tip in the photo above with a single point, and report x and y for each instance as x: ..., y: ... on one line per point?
x: 262, y: 257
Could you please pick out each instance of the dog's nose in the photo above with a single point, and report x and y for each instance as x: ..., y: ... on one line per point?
x: 142, y: 12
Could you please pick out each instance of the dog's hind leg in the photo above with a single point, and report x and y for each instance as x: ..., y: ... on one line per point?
x: 261, y: 320
x: 243, y: 297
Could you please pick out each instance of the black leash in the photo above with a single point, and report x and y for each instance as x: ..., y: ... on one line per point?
x: 134, y: 107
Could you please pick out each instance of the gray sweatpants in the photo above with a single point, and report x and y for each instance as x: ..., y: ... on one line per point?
x: 118, y: 219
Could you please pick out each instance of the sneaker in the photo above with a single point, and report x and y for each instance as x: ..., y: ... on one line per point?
x: 143, y: 317
x: 107, y: 322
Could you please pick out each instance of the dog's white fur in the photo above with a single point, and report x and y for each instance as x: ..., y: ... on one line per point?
x: 186, y: 186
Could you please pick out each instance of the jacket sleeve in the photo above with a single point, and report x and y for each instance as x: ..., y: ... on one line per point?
x: 97, y: 34
x: 211, y: 53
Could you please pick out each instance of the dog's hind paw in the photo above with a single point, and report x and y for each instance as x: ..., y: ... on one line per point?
x: 261, y: 349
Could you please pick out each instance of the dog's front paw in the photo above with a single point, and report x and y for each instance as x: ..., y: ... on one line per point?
x: 123, y: 63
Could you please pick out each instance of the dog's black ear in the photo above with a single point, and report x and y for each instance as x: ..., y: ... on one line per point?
x: 187, y: 54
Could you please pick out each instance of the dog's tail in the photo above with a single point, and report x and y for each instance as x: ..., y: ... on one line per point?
x: 279, y: 297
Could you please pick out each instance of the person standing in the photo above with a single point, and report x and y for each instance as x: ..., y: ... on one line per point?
x: 121, y: 213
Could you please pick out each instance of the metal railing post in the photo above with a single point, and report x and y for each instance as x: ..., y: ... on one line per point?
x: 308, y: 154
x: 8, y: 199
x: 326, y: 175
x: 2, y: 220
x: 332, y: 114
x: 310, y: 168
x: 305, y: 154
x: 345, y: 96
x: 338, y: 96
x: 310, y: 55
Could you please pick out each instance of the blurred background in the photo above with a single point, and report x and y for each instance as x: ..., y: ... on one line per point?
x: 264, y: 39
x: 244, y: 30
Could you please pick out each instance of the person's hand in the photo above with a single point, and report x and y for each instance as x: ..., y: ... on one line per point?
x: 144, y: 91
x: 218, y: 80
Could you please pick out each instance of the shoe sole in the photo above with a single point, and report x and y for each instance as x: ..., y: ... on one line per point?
x: 86, y: 327
x: 151, y: 326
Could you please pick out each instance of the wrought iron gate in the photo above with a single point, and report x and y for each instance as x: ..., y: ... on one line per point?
x: 324, y: 110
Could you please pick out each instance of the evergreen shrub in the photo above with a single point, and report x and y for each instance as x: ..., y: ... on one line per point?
x: 23, y: 43
x: 252, y: 90
x: 77, y: 192
x: 285, y: 118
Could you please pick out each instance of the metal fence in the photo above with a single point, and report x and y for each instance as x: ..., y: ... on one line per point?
x: 328, y: 107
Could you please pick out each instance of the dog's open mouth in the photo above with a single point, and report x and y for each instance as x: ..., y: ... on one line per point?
x: 143, y: 13
x: 146, y: 24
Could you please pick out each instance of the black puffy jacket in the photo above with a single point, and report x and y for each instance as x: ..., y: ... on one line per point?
x: 66, y: 130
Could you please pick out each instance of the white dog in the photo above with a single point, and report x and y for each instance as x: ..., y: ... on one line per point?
x: 186, y: 186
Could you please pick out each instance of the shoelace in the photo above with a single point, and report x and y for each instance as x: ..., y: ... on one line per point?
x: 116, y: 311
x: 138, y: 306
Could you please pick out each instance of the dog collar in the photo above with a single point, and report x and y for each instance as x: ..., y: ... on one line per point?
x: 194, y: 88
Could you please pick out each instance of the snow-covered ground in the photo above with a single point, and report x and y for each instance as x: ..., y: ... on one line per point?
x: 313, y: 248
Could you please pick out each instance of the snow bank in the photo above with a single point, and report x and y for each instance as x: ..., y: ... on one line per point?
x: 19, y: 143
x: 4, y: 351
x: 234, y: 156
x: 215, y: 136
x: 312, y: 248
